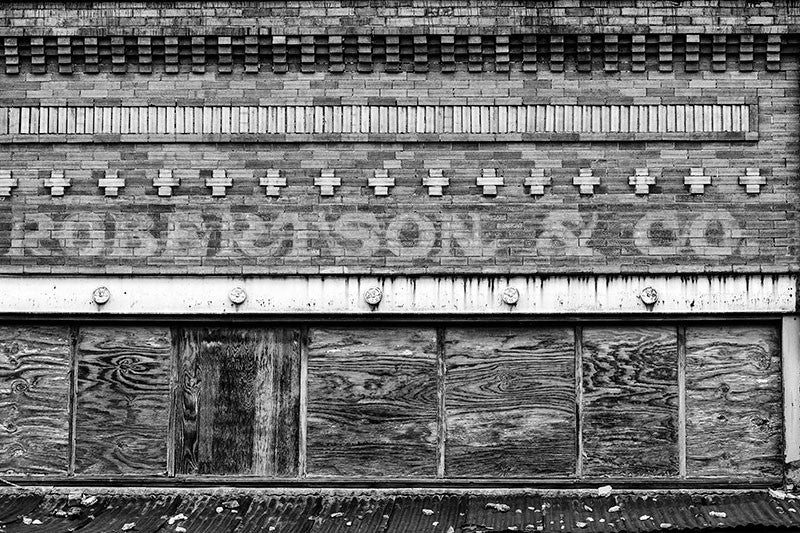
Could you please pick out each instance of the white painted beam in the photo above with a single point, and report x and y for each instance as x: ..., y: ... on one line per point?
x: 458, y: 295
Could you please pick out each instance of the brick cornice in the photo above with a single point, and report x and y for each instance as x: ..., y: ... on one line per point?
x: 490, y: 51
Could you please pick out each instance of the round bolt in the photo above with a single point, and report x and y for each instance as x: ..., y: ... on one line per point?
x: 101, y: 295
x: 649, y: 296
x: 510, y: 296
x: 373, y: 295
x: 237, y: 295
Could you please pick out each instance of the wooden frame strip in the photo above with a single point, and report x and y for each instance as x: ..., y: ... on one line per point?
x: 681, y: 401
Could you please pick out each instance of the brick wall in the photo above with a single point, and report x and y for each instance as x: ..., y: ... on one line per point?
x: 725, y: 228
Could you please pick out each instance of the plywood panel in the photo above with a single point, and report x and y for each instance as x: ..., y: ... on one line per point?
x: 733, y: 401
x: 372, y: 402
x: 34, y: 399
x: 238, y: 401
x: 630, y: 401
x: 123, y: 400
x: 510, y: 402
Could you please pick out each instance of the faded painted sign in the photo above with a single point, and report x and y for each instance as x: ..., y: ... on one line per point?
x: 247, y: 234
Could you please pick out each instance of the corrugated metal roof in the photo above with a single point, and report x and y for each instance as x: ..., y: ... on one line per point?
x: 195, y: 512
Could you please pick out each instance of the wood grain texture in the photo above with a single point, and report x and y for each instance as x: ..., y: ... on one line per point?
x: 122, y: 409
x: 35, y: 364
x: 510, y: 402
x: 630, y: 394
x: 238, y: 401
x: 372, y: 402
x: 734, y: 401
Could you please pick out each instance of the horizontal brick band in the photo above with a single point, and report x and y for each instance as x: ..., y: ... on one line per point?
x: 357, y: 122
x: 368, y: 51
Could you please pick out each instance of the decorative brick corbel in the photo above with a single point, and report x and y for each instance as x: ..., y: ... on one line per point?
x: 7, y: 182
x: 489, y: 180
x: 166, y: 181
x: 537, y: 181
x: 752, y: 180
x: 273, y: 182
x: 381, y: 182
x: 586, y: 181
x: 697, y: 181
x: 641, y: 181
x: 327, y: 181
x: 219, y: 183
x: 435, y: 181
x: 111, y: 183
x: 57, y: 182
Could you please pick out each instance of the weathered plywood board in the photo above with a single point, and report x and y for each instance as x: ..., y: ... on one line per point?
x: 733, y: 401
x: 372, y: 402
x: 35, y: 364
x: 122, y: 409
x: 238, y: 401
x: 510, y: 402
x: 630, y: 401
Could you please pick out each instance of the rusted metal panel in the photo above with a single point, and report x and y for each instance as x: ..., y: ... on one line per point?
x: 368, y: 512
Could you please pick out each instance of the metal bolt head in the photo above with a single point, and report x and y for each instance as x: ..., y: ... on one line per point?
x: 237, y: 295
x: 373, y: 295
x: 101, y: 295
x: 510, y: 296
x: 649, y: 296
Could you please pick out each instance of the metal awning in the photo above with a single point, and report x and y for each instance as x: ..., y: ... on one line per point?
x: 190, y: 511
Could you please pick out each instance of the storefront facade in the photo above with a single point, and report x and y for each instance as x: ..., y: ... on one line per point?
x: 399, y: 244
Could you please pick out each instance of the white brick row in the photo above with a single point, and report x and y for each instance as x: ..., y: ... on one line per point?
x: 356, y: 119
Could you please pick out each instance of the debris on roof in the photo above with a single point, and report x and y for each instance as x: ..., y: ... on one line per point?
x: 182, y: 511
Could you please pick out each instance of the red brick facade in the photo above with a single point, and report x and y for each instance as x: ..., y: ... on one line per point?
x: 389, y: 58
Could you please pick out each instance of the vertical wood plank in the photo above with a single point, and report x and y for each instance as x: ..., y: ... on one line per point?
x: 73, y: 397
x: 790, y: 356
x: 510, y: 402
x: 34, y: 399
x: 372, y: 402
x: 630, y: 411
x: 579, y: 401
x: 734, y: 401
x: 302, y: 459
x: 441, y: 394
x: 682, y: 401
x: 123, y: 400
x: 238, y: 402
